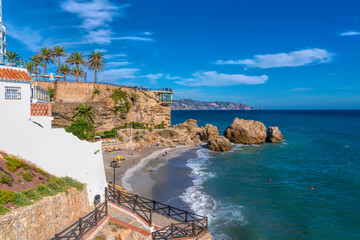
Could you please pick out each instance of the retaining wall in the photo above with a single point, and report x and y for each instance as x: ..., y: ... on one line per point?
x: 45, y: 218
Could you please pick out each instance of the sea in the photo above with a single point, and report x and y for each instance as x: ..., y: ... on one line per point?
x: 233, y: 189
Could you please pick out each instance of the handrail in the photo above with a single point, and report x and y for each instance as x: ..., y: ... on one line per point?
x: 78, y: 229
x: 190, y: 224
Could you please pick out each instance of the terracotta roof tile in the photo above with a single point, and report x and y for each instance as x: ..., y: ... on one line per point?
x: 13, y: 74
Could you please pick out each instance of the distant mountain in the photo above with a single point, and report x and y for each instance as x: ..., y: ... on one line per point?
x: 189, y: 104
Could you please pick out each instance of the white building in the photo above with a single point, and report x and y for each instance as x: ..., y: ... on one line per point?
x: 25, y: 131
x: 2, y: 34
x: 15, y: 92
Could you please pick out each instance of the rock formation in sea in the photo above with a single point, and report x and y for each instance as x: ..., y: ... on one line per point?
x: 274, y: 135
x: 209, y: 132
x: 219, y: 144
x: 246, y: 132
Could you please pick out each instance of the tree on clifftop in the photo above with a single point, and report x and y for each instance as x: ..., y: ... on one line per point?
x: 65, y: 70
x: 76, y: 58
x: 47, y: 55
x: 37, y: 62
x: 85, y: 112
x: 59, y: 52
x: 96, y: 62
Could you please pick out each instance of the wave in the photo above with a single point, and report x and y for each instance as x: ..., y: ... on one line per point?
x: 219, y: 213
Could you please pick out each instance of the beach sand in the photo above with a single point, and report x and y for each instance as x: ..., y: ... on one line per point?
x: 136, y: 173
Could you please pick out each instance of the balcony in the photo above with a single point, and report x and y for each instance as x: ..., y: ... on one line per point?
x: 6, y: 61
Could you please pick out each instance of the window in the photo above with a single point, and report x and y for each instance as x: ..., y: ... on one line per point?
x: 12, y: 93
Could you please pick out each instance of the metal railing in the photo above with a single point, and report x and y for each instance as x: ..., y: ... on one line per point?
x: 78, y: 229
x: 6, y: 61
x: 190, y: 224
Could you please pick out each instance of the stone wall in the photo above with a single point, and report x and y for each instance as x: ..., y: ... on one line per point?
x: 145, y: 108
x: 45, y: 218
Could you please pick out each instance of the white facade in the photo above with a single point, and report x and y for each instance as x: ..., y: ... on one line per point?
x: 15, y: 98
x: 56, y: 151
x: 2, y: 34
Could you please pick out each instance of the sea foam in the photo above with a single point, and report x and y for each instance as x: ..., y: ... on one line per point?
x: 201, y: 203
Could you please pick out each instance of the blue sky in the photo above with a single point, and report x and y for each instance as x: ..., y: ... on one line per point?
x: 299, y: 54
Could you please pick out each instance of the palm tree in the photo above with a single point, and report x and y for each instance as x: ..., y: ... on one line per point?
x: 65, y: 70
x: 47, y: 55
x: 85, y: 112
x: 30, y: 66
x: 96, y: 62
x: 59, y: 52
x: 13, y: 56
x: 77, y: 59
x: 81, y: 73
x: 37, y: 62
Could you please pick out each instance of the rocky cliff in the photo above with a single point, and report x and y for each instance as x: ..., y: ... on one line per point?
x: 113, y: 105
x: 189, y: 104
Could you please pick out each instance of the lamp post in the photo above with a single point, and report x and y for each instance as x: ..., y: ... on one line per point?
x: 115, y: 163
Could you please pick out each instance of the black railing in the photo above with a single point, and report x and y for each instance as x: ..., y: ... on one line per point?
x: 141, y: 88
x: 190, y: 224
x: 78, y: 229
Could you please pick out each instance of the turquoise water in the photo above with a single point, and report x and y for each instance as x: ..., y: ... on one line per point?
x: 322, y: 149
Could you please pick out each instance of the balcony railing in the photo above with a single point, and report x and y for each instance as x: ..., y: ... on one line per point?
x: 6, y: 61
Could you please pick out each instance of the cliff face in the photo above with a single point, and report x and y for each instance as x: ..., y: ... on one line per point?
x: 188, y: 104
x: 129, y: 105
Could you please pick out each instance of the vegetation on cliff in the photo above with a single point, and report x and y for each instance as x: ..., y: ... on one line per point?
x: 81, y: 128
x: 27, y: 183
x: 121, y: 101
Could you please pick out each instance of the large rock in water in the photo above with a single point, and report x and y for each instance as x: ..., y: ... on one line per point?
x: 274, y: 135
x: 219, y: 143
x: 246, y: 132
x: 209, y: 132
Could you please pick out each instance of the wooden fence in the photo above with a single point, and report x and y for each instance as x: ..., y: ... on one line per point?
x: 78, y: 229
x: 190, y: 224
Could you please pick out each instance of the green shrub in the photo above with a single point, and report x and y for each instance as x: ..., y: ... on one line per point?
x: 73, y: 183
x: 32, y: 194
x: 6, y: 179
x: 20, y: 200
x: 151, y: 129
x: 6, y: 196
x: 52, y: 94
x: 95, y: 92
x: 121, y: 101
x: 160, y: 126
x: 14, y: 163
x: 45, y: 190
x: 168, y: 133
x: 121, y: 139
x: 3, y: 210
x: 81, y: 128
x: 27, y: 176
x: 137, y: 138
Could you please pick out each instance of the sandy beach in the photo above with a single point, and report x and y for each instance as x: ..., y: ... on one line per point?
x: 135, y: 172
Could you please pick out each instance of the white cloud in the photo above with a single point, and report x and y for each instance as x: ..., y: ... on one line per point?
x: 300, y: 89
x: 216, y: 79
x: 117, y: 64
x: 350, y: 33
x: 28, y: 36
x: 148, y: 33
x: 95, y: 13
x: 292, y: 59
x: 112, y: 56
x: 133, y: 38
x: 153, y: 77
x: 117, y: 74
x: 106, y: 36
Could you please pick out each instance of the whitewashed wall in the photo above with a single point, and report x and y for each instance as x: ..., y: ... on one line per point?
x: 43, y: 120
x: 17, y: 108
x: 56, y: 151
